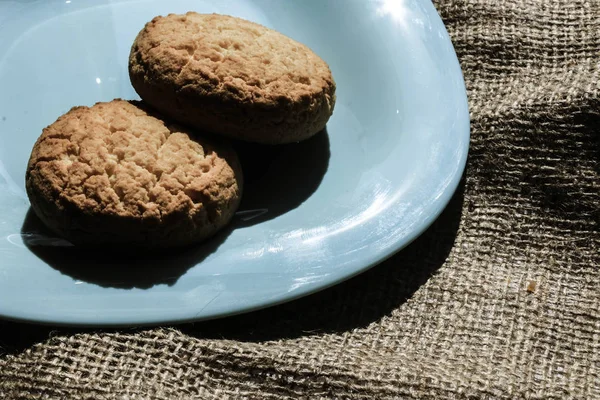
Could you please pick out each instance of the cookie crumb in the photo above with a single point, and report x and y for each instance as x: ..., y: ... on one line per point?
x: 531, y: 286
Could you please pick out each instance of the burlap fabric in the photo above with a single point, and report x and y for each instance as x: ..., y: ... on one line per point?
x: 499, y: 299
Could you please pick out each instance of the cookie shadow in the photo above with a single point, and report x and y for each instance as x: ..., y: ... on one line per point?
x: 116, y: 268
x: 278, y: 179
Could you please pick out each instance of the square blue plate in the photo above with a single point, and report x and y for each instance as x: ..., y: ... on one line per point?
x: 314, y: 213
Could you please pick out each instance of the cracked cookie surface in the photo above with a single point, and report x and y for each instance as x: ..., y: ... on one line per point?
x: 114, y: 173
x: 232, y: 77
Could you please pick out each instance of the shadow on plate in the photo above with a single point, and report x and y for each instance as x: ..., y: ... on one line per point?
x: 113, y: 267
x: 277, y: 180
x: 280, y: 178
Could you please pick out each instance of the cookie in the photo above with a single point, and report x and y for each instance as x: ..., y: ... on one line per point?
x: 114, y: 173
x: 232, y: 77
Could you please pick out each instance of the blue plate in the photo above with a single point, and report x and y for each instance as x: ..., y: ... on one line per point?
x: 314, y: 213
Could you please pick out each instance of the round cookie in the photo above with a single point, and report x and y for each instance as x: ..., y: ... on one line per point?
x: 232, y: 77
x: 115, y: 174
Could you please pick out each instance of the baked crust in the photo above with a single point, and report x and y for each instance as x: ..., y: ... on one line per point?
x: 114, y: 173
x: 232, y: 77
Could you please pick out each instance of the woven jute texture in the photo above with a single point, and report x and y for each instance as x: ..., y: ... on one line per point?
x: 500, y: 298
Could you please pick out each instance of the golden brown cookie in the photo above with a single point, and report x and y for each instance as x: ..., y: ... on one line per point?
x: 114, y: 173
x: 232, y: 77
